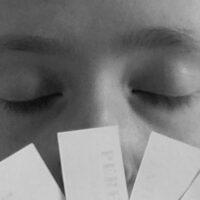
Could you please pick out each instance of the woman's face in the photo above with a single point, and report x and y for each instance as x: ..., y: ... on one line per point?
x: 76, y: 64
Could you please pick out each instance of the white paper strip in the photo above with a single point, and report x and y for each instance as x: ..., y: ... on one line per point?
x: 167, y: 169
x: 24, y: 176
x: 193, y: 190
x: 92, y: 164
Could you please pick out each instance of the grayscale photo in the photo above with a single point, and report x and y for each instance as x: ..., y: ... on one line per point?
x: 99, y: 100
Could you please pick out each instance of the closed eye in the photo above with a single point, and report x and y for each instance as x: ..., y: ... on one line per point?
x: 169, y: 102
x: 31, y: 106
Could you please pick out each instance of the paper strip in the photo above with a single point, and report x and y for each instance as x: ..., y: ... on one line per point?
x: 193, y: 191
x: 24, y: 176
x: 92, y: 164
x: 167, y: 169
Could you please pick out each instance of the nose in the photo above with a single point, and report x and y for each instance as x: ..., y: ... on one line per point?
x: 101, y: 101
x: 102, y: 98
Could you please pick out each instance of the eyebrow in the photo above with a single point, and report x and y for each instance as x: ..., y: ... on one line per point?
x: 159, y: 37
x: 147, y: 38
x: 33, y: 44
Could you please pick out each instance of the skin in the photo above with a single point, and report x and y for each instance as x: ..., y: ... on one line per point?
x: 94, y: 78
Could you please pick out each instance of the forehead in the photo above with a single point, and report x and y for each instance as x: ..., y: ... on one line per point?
x: 95, y: 18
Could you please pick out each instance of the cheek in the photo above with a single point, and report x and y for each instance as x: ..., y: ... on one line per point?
x: 181, y: 124
x: 187, y: 127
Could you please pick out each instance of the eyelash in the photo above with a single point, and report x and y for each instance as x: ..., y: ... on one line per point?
x: 168, y: 102
x: 42, y: 103
x: 30, y: 106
